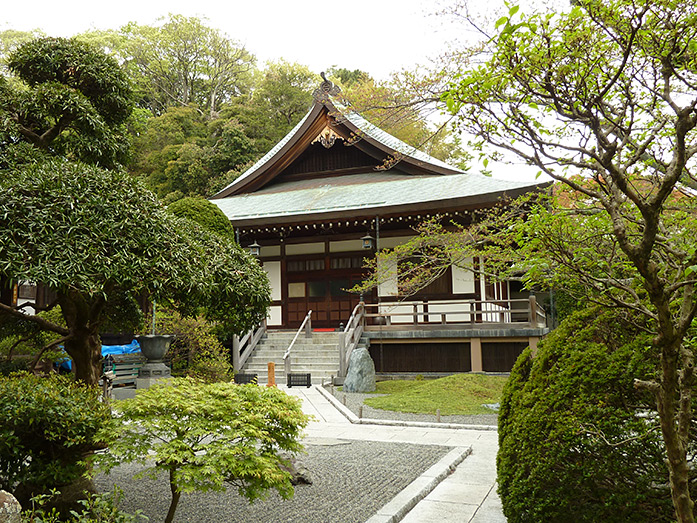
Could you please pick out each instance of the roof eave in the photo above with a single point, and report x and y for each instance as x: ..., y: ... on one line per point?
x: 242, y: 184
x: 448, y: 205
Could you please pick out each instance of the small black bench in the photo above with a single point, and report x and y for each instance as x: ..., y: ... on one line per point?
x: 244, y: 379
x: 299, y: 379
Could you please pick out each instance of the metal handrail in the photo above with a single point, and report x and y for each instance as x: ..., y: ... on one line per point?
x: 308, y: 332
x: 350, y: 337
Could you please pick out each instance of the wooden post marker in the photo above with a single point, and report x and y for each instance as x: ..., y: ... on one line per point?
x: 272, y: 374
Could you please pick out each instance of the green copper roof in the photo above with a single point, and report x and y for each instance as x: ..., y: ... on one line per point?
x: 360, y: 194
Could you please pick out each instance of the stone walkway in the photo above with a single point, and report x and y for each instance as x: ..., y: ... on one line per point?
x: 460, y: 488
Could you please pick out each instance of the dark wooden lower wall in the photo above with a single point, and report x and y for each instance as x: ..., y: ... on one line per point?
x: 443, y: 357
x: 500, y: 357
x: 421, y: 357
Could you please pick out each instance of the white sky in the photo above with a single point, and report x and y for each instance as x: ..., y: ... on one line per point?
x: 377, y: 36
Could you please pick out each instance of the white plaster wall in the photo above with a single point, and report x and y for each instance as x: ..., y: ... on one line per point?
x: 26, y: 310
x: 275, y: 316
x: 455, y: 312
x: 346, y: 246
x: 390, y: 243
x: 388, y: 278
x: 304, y: 248
x: 273, y: 269
x: 498, y: 314
x: 406, y: 313
x: 463, y: 279
x: 270, y: 250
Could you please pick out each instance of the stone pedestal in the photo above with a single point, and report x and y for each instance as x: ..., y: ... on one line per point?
x: 153, y: 347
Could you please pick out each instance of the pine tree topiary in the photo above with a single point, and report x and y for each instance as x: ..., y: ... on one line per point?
x: 577, y: 441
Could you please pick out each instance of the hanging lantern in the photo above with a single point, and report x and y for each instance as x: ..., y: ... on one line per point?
x: 255, y: 249
x: 368, y: 241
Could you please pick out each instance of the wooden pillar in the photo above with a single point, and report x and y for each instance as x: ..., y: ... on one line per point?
x: 532, y: 311
x: 236, y: 353
x: 533, y: 345
x: 476, y: 355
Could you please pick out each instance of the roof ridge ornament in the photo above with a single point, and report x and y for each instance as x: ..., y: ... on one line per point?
x: 327, y: 137
x: 325, y: 89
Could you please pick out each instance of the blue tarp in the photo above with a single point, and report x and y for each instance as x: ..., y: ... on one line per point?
x: 132, y: 347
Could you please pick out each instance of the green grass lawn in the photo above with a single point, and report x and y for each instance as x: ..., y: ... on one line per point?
x: 457, y: 394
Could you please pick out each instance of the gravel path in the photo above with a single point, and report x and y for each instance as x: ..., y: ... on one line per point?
x: 353, y: 400
x: 351, y: 481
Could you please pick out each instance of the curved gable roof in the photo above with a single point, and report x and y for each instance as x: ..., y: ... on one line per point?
x: 327, y: 110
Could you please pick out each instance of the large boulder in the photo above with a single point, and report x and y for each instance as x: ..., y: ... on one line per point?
x: 10, y: 509
x: 361, y: 372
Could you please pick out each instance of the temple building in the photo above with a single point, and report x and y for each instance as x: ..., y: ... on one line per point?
x: 336, y: 189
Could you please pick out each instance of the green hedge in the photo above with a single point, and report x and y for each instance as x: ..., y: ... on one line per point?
x: 49, y: 426
x: 577, y: 442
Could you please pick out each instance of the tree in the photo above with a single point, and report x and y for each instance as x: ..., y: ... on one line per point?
x: 608, y: 91
x: 101, y: 241
x: 280, y: 98
x: 204, y: 213
x: 179, y: 153
x: 48, y: 427
x: 576, y: 440
x: 207, y: 436
x: 183, y: 62
x: 10, y: 39
x: 402, y: 107
x: 67, y: 99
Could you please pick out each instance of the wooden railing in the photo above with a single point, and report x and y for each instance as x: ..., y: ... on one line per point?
x: 307, y: 326
x: 242, y: 348
x: 351, y: 335
x: 520, y: 312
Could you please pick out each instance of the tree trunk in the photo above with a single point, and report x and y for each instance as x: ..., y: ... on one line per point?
x: 82, y: 317
x: 175, y: 497
x: 85, y: 348
x: 676, y: 446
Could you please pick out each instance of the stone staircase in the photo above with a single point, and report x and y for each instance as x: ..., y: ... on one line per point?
x: 318, y: 355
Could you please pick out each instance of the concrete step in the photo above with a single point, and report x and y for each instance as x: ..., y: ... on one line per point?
x: 286, y: 334
x: 318, y: 355
x: 293, y: 363
x: 325, y: 347
x: 279, y: 353
x: 293, y: 366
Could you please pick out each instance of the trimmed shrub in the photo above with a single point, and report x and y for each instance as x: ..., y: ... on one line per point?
x: 577, y: 441
x: 196, y: 350
x: 204, y: 213
x: 49, y: 426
